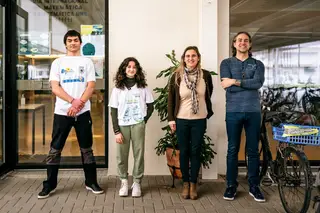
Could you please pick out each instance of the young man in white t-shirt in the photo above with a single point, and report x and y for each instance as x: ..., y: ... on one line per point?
x: 72, y: 79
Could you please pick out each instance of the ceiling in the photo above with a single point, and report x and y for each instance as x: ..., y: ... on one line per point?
x: 272, y: 23
x: 275, y: 23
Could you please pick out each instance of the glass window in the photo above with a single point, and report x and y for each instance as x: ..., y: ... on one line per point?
x: 42, y: 25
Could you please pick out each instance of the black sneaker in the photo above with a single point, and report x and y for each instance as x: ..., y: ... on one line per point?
x: 230, y: 193
x: 95, y: 188
x: 45, y: 193
x: 256, y: 194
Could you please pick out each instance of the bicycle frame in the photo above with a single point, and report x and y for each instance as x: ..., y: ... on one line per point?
x: 267, y: 155
x: 274, y: 117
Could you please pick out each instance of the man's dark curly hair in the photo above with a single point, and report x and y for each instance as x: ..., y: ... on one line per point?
x: 121, y: 74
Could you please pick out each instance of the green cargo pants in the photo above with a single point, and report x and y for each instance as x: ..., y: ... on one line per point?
x: 136, y: 134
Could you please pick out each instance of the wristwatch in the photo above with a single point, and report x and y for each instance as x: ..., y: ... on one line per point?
x: 238, y: 82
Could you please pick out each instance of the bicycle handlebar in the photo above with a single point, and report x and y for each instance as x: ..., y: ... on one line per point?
x: 274, y: 106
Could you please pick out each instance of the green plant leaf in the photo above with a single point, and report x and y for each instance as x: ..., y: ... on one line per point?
x: 213, y: 73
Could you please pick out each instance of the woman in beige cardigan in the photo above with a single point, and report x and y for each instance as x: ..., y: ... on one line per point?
x: 189, y: 107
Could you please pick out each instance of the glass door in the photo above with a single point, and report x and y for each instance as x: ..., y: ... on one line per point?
x: 2, y: 31
x: 40, y: 39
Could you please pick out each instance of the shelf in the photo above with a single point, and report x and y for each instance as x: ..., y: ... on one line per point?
x: 56, y: 56
x: 43, y: 56
x: 44, y: 84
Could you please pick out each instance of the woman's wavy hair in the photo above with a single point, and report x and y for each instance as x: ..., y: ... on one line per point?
x: 182, y: 65
x: 234, y: 50
x: 121, y: 74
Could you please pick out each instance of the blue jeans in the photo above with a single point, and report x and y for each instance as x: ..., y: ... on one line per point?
x: 235, y: 122
x: 190, y: 139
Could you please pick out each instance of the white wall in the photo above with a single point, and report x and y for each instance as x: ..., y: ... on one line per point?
x: 148, y: 30
x: 223, y: 52
x: 208, y: 47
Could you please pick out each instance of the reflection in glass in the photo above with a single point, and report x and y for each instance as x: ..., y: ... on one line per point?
x: 40, y: 39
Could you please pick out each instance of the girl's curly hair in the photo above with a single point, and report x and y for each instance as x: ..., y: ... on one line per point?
x: 121, y: 74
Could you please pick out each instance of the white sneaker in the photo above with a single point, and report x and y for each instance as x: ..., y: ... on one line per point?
x: 123, y: 192
x: 136, y: 189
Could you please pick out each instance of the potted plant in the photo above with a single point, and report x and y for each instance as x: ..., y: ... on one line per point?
x: 168, y: 144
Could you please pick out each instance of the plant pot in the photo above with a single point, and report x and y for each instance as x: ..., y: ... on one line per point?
x: 173, y: 162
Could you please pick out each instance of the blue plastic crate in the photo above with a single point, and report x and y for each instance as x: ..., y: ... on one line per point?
x: 313, y: 140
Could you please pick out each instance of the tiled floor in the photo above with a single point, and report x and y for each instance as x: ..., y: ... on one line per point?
x: 18, y: 194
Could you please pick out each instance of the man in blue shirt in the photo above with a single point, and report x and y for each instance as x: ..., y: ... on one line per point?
x: 242, y: 76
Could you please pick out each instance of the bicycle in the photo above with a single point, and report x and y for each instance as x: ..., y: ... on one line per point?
x: 279, y: 95
x: 270, y: 114
x: 287, y: 156
x: 292, y: 177
x: 311, y: 102
x: 284, y: 100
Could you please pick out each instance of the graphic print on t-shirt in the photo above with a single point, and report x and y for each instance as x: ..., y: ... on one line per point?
x: 69, y: 75
x: 132, y: 108
x: 81, y: 70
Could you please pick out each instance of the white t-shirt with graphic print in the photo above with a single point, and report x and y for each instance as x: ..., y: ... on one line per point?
x: 73, y: 73
x: 131, y: 104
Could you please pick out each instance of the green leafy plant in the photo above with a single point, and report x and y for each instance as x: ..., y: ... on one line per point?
x: 169, y: 140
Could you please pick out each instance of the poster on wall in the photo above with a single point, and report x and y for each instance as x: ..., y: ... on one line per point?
x: 96, y: 29
x: 92, y: 40
x: 98, y: 66
x: 34, y: 43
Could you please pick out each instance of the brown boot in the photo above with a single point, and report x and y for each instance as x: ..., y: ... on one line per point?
x: 185, y: 191
x: 193, y: 191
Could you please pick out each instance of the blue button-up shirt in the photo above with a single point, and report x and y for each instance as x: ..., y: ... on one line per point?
x: 251, y: 74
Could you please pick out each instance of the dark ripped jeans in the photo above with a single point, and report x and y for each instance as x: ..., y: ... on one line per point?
x: 61, y: 128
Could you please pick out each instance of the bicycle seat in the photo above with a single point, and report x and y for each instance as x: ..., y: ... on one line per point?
x: 275, y: 117
x: 293, y: 117
x: 306, y: 119
x: 272, y: 114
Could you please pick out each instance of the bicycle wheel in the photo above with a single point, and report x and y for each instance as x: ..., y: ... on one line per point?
x: 295, y: 180
x: 317, y: 203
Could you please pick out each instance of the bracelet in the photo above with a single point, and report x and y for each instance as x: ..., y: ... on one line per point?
x: 71, y: 100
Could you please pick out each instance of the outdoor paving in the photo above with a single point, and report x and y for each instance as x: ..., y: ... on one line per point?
x: 19, y: 189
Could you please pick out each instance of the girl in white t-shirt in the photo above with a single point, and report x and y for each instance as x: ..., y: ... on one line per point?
x: 131, y: 105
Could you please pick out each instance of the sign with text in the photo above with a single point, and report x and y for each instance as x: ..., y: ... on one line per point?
x: 95, y: 29
x: 64, y: 10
